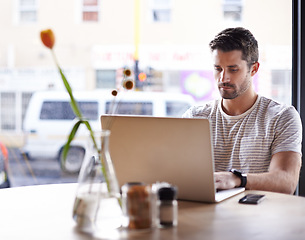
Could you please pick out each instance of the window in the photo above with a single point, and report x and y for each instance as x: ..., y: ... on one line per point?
x: 27, y: 11
x: 24, y: 103
x: 176, y: 109
x: 8, y: 114
x: 161, y: 10
x: 93, y: 48
x: 13, y: 108
x: 232, y: 10
x: 105, y: 78
x: 132, y: 108
x: 281, y: 81
x: 60, y: 110
x: 90, y: 10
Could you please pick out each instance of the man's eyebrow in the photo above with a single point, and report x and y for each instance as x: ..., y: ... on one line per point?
x: 233, y: 66
x: 230, y: 66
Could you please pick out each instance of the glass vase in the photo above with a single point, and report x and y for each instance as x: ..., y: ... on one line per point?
x: 97, y: 206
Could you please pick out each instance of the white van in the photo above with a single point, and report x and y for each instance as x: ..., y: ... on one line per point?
x: 49, y: 118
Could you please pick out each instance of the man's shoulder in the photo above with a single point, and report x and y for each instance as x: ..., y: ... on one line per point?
x: 274, y: 108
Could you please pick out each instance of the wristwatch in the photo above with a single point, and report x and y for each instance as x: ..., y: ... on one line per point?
x: 242, y: 176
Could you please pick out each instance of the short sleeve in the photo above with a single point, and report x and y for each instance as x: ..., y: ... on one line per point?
x: 288, y: 132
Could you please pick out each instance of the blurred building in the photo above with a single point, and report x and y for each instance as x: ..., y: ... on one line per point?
x: 95, y: 39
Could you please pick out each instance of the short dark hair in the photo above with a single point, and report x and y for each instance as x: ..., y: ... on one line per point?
x: 237, y: 39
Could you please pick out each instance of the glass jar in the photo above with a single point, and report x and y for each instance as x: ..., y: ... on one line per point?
x: 97, y: 205
x: 137, y: 201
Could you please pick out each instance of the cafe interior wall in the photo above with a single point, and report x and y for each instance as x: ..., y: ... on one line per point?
x: 172, y: 48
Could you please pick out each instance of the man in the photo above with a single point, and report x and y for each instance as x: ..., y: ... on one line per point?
x: 257, y: 141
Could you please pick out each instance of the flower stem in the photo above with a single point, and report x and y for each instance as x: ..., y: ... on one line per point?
x: 76, y: 109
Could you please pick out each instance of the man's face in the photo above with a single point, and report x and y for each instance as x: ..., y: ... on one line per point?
x: 231, y: 73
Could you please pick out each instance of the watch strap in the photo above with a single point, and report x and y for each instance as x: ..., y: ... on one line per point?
x: 243, y: 177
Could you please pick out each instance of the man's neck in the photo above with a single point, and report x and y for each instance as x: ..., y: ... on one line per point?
x: 239, y: 105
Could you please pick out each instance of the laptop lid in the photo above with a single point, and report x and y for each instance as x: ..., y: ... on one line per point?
x: 155, y: 149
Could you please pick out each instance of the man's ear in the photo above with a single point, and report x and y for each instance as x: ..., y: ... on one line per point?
x: 254, y: 68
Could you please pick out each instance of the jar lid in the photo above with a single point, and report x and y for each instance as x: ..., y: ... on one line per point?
x: 167, y: 193
x: 129, y: 185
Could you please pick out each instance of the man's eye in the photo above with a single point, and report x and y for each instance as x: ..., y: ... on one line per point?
x: 234, y: 69
x: 218, y: 69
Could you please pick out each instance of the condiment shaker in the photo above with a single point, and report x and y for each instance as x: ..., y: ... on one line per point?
x: 167, y: 207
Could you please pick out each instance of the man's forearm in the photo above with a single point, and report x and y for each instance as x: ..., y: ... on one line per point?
x: 276, y: 181
x: 283, y: 175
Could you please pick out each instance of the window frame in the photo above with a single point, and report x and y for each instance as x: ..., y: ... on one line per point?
x: 90, y: 9
x: 27, y: 8
x: 154, y: 6
x: 298, y: 74
x: 233, y: 6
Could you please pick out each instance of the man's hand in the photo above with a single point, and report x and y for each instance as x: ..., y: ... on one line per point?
x: 226, y: 180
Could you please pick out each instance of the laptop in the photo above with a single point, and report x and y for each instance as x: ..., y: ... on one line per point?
x: 174, y: 150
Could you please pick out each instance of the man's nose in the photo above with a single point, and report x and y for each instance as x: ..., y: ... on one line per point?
x: 224, y: 76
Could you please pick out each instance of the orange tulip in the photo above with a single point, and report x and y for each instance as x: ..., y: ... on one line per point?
x: 48, y: 38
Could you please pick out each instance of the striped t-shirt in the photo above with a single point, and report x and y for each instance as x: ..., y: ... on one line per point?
x: 248, y: 141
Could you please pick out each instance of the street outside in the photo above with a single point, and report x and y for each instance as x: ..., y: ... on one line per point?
x: 24, y: 172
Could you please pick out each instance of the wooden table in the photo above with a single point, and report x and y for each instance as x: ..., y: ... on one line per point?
x: 45, y: 212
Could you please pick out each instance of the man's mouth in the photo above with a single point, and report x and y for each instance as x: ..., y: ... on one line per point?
x: 225, y: 86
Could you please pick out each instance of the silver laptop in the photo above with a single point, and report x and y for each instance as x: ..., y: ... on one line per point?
x: 174, y: 150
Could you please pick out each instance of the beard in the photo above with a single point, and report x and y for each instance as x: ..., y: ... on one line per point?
x: 234, y: 91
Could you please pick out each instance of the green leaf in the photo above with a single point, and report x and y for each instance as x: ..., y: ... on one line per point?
x: 91, y: 133
x: 87, y: 125
x: 70, y: 138
x: 73, y: 102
